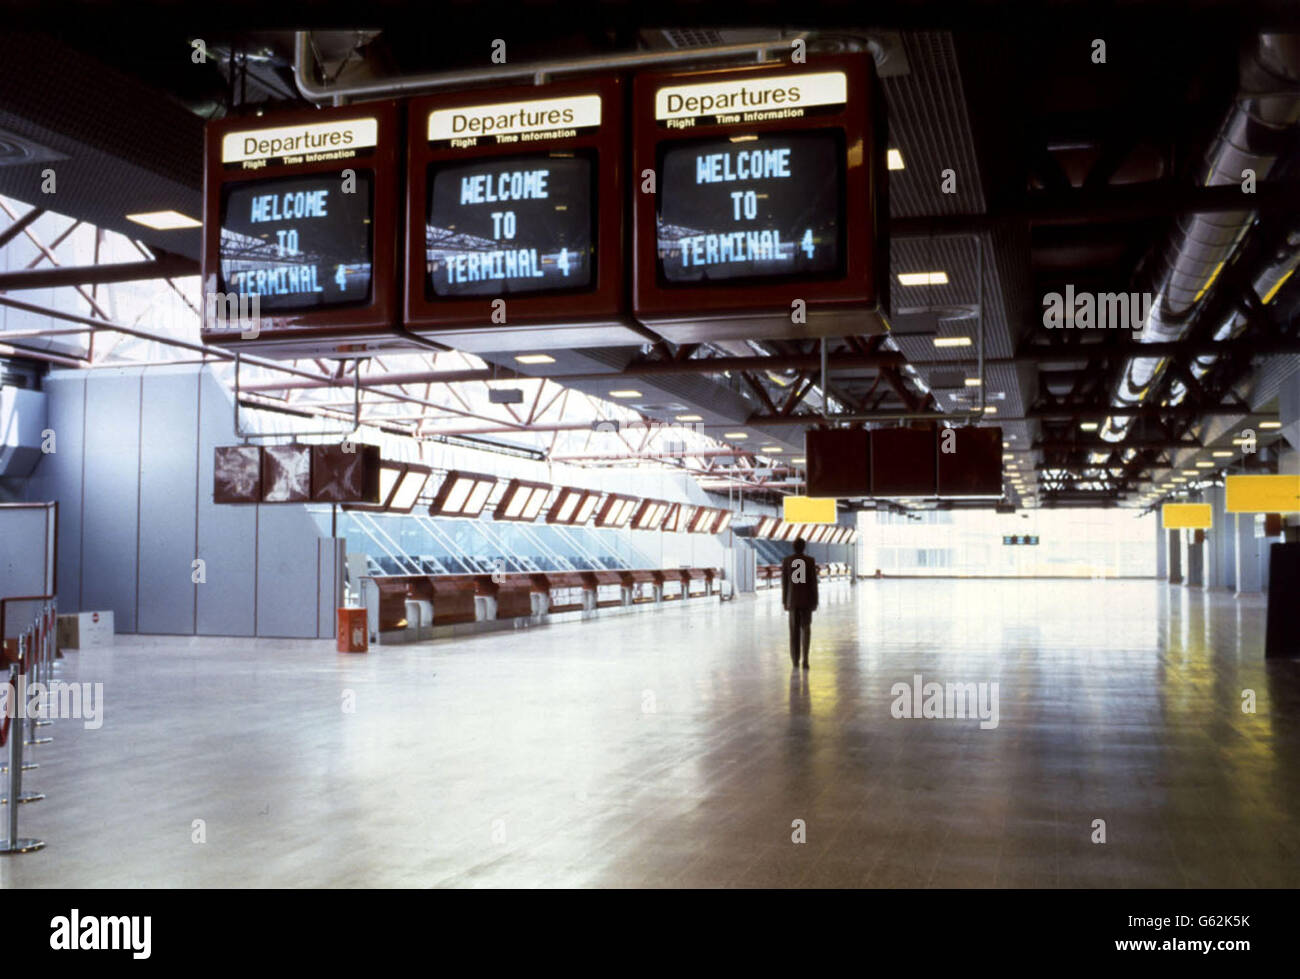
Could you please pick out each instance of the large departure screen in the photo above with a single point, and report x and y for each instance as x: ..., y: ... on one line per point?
x: 520, y: 224
x: 751, y: 208
x: 299, y: 242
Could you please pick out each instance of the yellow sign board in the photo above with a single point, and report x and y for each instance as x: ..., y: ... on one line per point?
x: 1262, y: 494
x: 807, y: 509
x: 1191, y: 516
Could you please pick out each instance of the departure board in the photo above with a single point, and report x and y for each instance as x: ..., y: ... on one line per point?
x: 512, y: 225
x: 766, y: 206
x: 301, y: 242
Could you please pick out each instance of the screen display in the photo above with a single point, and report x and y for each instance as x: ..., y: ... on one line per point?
x: 513, y: 225
x: 298, y: 242
x: 751, y: 208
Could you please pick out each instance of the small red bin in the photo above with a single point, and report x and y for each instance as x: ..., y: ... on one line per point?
x: 352, y: 634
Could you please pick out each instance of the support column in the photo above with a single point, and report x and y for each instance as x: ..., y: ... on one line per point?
x: 1175, y: 547
x: 1247, y: 554
x: 1195, y: 561
x: 1162, y: 552
x: 1221, y: 570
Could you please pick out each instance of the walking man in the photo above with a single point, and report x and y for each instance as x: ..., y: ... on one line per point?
x: 799, y: 597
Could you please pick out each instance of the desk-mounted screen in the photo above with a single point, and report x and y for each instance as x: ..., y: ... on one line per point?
x: 298, y: 242
x: 510, y: 226
x: 300, y: 231
x: 767, y: 206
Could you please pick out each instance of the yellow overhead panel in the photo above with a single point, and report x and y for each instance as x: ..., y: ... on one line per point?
x: 1262, y: 494
x: 806, y: 509
x: 1190, y: 516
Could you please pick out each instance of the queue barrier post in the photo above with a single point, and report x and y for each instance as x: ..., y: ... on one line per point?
x: 13, y: 843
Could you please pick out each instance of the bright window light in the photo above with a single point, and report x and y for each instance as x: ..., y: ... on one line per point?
x: 479, y: 497
x: 923, y: 278
x: 564, y: 506
x: 584, y: 511
x: 455, y: 501
x: 164, y: 220
x: 536, y: 502
x: 894, y: 159
x: 408, y: 489
x: 723, y: 523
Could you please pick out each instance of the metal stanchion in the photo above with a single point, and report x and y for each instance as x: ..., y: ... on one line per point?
x: 32, y: 667
x: 14, y: 843
x: 44, y: 660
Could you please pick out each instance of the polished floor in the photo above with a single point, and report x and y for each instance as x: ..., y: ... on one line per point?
x: 677, y: 748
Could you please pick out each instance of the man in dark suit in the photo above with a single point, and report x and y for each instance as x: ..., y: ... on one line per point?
x: 799, y: 596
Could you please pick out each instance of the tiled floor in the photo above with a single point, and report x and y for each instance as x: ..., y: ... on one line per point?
x: 677, y: 748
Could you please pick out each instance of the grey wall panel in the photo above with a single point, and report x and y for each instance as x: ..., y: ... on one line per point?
x: 169, y: 420
x: 288, y: 574
x: 58, y: 477
x: 24, y: 560
x: 226, y: 604
x: 333, y: 559
x: 110, y: 509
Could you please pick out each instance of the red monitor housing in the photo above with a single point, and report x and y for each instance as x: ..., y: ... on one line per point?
x: 283, y: 180
x: 792, y: 151
x: 460, y: 291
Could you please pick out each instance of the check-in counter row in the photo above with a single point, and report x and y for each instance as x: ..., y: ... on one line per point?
x: 405, y: 608
x: 769, y: 575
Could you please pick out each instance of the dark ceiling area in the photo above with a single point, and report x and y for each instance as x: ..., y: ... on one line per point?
x: 1118, y: 175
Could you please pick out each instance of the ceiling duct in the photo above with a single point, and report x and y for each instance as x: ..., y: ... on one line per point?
x: 1263, y: 114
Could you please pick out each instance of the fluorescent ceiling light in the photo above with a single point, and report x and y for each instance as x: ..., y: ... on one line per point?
x: 1270, y: 424
x: 990, y: 409
x: 690, y: 418
x: 625, y: 393
x: 894, y: 159
x: 973, y: 382
x: 952, y: 341
x: 164, y: 220
x: 772, y: 449
x: 1205, y: 465
x: 535, y: 359
x: 1223, y: 454
x: 923, y: 278
x: 1088, y: 426
x: 736, y: 436
x: 798, y: 460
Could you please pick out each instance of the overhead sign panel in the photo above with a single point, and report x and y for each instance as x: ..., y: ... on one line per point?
x: 745, y: 100
x: 339, y: 139
x: 1187, y: 516
x: 804, y: 509
x: 1262, y: 494
x: 515, y: 122
x: 767, y: 216
x: 515, y: 218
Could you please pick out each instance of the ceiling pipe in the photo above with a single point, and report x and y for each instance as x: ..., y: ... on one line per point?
x: 1266, y: 110
x: 536, y: 71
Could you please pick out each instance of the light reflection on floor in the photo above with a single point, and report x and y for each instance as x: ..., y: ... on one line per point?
x: 678, y: 749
